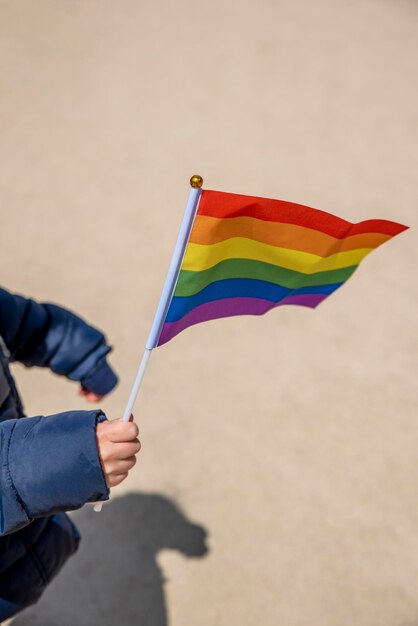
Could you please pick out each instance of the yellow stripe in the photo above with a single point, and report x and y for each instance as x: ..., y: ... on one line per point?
x: 200, y: 257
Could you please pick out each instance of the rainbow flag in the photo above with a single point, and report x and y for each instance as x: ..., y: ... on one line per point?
x: 247, y: 255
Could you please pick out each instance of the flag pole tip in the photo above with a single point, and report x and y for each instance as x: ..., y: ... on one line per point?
x: 196, y: 181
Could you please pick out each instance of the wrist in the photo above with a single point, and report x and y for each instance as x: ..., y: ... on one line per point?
x: 101, y: 379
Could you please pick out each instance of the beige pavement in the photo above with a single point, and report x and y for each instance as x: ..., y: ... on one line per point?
x: 287, y: 445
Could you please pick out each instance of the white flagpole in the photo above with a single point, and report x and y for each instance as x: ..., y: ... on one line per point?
x: 196, y: 183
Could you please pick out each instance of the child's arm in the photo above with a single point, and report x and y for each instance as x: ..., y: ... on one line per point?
x: 60, y: 462
x: 47, y: 335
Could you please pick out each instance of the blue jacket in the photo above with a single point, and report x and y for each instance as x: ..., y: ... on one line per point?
x: 48, y: 464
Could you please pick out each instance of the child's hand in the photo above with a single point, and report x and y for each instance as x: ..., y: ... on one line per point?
x: 118, y: 444
x: 90, y: 396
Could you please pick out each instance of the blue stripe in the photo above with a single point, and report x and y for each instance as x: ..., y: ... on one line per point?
x: 238, y: 288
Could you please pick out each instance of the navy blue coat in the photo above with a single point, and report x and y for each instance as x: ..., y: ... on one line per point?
x: 48, y: 464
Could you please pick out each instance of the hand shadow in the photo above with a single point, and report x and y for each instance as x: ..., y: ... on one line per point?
x: 114, y: 578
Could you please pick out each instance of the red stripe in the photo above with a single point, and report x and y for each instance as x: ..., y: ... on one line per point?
x: 224, y: 205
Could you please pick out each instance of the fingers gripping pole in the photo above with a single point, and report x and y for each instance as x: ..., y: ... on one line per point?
x: 132, y: 398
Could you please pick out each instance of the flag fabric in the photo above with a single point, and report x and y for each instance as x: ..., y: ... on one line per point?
x: 247, y: 255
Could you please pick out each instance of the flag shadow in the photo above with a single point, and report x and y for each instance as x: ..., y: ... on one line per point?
x: 115, y: 578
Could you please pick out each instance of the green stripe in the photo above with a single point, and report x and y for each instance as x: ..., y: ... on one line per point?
x: 190, y: 283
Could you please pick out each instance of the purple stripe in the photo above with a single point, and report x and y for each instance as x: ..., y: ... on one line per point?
x: 229, y: 307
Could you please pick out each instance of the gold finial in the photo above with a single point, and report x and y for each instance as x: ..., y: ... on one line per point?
x: 196, y: 181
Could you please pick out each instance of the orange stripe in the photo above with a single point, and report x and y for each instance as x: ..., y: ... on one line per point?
x: 208, y: 230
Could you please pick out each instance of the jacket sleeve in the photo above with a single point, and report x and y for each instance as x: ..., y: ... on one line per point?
x: 47, y: 335
x: 48, y: 464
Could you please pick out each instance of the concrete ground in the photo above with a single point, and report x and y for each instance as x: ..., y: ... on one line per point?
x: 278, y: 482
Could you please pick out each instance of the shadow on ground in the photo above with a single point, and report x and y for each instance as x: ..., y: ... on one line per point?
x: 115, y: 578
